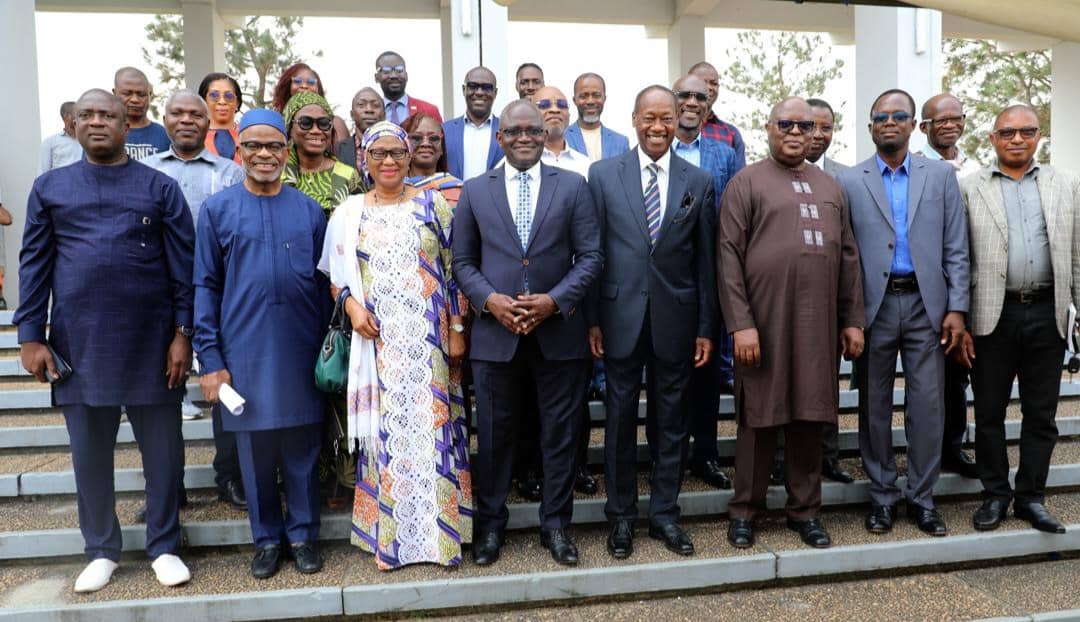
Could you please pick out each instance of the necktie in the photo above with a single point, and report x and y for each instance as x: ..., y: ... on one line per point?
x: 524, y: 208
x: 395, y: 113
x: 652, y: 204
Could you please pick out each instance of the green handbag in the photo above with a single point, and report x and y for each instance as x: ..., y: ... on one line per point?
x: 332, y: 364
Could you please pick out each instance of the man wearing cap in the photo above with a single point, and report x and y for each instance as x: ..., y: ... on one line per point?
x: 260, y: 309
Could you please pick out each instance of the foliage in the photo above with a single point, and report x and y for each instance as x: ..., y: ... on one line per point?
x: 987, y: 80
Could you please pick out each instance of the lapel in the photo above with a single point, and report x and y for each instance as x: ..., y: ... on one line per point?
x: 916, y: 182
x: 1046, y: 198
x: 494, y: 151
x: 990, y: 191
x: 676, y: 189
x: 630, y: 176
x: 497, y: 188
x: 876, y: 187
x: 549, y: 180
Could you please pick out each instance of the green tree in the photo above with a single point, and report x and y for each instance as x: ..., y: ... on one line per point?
x: 768, y: 66
x: 255, y: 54
x: 988, y: 80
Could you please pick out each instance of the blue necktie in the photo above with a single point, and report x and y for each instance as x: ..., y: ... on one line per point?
x: 652, y: 204
x: 524, y: 208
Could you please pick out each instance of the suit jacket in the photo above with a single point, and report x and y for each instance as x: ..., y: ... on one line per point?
x: 832, y: 167
x: 988, y: 232
x: 454, y: 133
x: 562, y: 258
x: 673, y: 280
x: 612, y: 143
x: 937, y: 234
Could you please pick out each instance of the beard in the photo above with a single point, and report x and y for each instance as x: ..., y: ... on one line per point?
x: 591, y: 117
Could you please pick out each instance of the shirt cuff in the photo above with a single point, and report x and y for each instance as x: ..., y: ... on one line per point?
x: 31, y: 332
x: 184, y: 318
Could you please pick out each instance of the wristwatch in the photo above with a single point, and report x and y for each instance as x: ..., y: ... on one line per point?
x: 458, y: 328
x: 185, y: 331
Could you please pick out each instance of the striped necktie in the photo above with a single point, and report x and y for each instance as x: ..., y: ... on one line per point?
x: 524, y: 208
x: 652, y: 203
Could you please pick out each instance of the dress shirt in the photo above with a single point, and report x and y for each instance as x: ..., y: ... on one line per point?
x: 477, y: 143
x: 58, y: 150
x: 512, y: 188
x: 1029, y: 266
x: 663, y: 167
x: 568, y: 159
x: 964, y: 165
x: 896, y: 191
x: 402, y: 105
x: 199, y: 177
x: 594, y: 145
x: 691, y: 152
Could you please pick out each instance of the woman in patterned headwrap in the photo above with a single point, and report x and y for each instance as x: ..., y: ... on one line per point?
x: 389, y: 252
x: 311, y: 167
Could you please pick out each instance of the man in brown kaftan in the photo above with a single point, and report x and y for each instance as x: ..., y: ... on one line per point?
x: 791, y: 293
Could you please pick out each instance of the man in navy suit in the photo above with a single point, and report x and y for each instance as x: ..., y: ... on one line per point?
x: 652, y: 308
x: 526, y: 251
x: 587, y: 134
x: 471, y: 145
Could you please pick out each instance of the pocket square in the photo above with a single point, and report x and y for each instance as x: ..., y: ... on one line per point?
x: 688, y: 201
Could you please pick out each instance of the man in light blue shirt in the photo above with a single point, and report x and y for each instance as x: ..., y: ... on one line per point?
x: 61, y: 149
x: 896, y: 190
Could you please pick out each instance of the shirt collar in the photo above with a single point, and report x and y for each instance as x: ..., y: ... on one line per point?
x: 567, y: 153
x: 387, y: 102
x: 486, y: 122
x: 1032, y: 169
x: 663, y: 163
x: 204, y: 155
x: 882, y: 167
x: 678, y: 145
x: 933, y: 154
x: 510, y: 172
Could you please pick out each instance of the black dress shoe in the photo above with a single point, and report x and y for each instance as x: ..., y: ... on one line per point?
x: 709, y: 471
x: 561, y: 546
x: 530, y: 486
x: 486, y: 548
x: 740, y: 533
x: 620, y: 542
x: 1039, y: 517
x: 990, y: 514
x: 961, y: 463
x: 880, y: 519
x: 266, y: 563
x: 140, y: 514
x: 233, y: 493
x: 673, y: 537
x: 831, y: 469
x: 927, y: 520
x: 776, y: 476
x: 811, y: 531
x: 307, y: 557
x: 584, y: 482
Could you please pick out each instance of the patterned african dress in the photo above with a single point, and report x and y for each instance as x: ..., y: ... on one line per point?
x: 413, y: 500
x: 445, y: 183
x: 329, y: 187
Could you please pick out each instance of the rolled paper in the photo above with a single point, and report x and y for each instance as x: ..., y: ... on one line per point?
x: 231, y: 400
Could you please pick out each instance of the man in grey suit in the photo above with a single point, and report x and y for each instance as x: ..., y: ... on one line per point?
x: 652, y: 309
x: 909, y: 222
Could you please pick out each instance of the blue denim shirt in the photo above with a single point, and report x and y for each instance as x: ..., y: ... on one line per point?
x: 691, y: 153
x: 896, y: 190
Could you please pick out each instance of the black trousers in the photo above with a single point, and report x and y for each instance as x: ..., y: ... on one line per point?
x: 704, y: 405
x: 226, y: 460
x: 1024, y: 345
x: 956, y: 381
x: 559, y: 387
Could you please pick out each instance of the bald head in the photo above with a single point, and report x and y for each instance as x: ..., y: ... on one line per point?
x: 129, y: 73
x: 692, y: 95
x: 479, y: 90
x: 787, y: 106
x: 132, y: 87
x: 186, y: 97
x: 101, y: 126
x: 935, y: 104
x: 1017, y: 111
x: 943, y: 124
x: 528, y: 110
x: 555, y: 108
x: 367, y: 109
x: 102, y: 98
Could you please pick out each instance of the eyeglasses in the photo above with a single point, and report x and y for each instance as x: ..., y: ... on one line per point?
x: 701, y: 97
x: 787, y: 125
x: 252, y: 146
x: 418, y: 139
x: 306, y: 123
x: 544, y: 104
x: 515, y: 132
x: 883, y: 117
x: 228, y: 96
x: 479, y: 86
x: 389, y: 69
x: 298, y: 81
x: 1008, y: 133
x: 380, y: 154
x: 942, y: 122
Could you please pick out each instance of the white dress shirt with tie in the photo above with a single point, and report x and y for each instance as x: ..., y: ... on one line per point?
x: 663, y: 169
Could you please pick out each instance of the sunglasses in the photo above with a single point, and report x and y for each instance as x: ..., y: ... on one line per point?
x: 515, y: 132
x: 479, y: 86
x: 701, y: 97
x: 1008, y: 133
x: 298, y: 81
x: 434, y: 140
x: 252, y: 146
x: 388, y: 69
x: 883, y: 117
x: 306, y: 123
x: 380, y: 154
x: 228, y: 96
x: 787, y: 126
x: 544, y: 104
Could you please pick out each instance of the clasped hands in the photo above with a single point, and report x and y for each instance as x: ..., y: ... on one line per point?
x: 523, y: 314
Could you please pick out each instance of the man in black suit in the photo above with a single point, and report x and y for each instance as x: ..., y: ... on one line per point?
x: 526, y: 252
x: 651, y: 309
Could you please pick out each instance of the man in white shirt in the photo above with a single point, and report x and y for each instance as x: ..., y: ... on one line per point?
x: 556, y: 110
x: 471, y: 147
x: 61, y: 149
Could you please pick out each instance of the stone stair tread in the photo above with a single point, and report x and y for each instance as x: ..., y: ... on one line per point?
x: 17, y: 461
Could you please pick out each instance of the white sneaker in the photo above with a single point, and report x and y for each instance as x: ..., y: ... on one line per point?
x: 170, y: 571
x: 190, y: 412
x: 95, y: 576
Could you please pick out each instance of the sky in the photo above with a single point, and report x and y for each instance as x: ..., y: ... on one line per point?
x: 348, y: 61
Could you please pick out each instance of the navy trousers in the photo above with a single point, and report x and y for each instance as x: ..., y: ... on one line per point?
x: 296, y: 451
x: 226, y: 462
x: 93, y: 438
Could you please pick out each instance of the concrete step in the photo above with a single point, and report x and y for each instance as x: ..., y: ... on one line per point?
x: 32, y: 394
x: 57, y: 435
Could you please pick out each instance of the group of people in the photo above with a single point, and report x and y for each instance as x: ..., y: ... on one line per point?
x: 508, y: 262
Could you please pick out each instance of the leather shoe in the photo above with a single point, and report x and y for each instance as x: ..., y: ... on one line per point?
x: 709, y: 471
x: 233, y: 493
x: 529, y: 486
x: 266, y: 562
x: 961, y: 463
x: 831, y: 469
x: 673, y: 537
x: 620, y: 542
x: 990, y: 514
x: 561, y: 546
x: 776, y: 476
x: 584, y: 482
x: 880, y: 519
x: 486, y: 548
x: 928, y: 520
x: 811, y: 531
x: 740, y: 533
x: 307, y: 557
x: 1039, y: 517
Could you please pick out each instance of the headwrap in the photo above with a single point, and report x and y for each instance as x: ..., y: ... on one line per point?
x: 305, y: 98
x: 262, y: 116
x: 385, y: 128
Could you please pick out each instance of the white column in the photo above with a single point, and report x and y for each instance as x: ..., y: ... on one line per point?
x: 204, y: 40
x: 463, y: 24
x: 894, y: 48
x: 18, y: 165
x: 686, y: 45
x: 1064, y: 99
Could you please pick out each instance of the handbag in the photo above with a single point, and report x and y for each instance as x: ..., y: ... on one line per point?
x: 332, y: 364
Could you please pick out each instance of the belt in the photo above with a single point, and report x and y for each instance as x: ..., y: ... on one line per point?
x: 1030, y: 296
x: 902, y: 284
